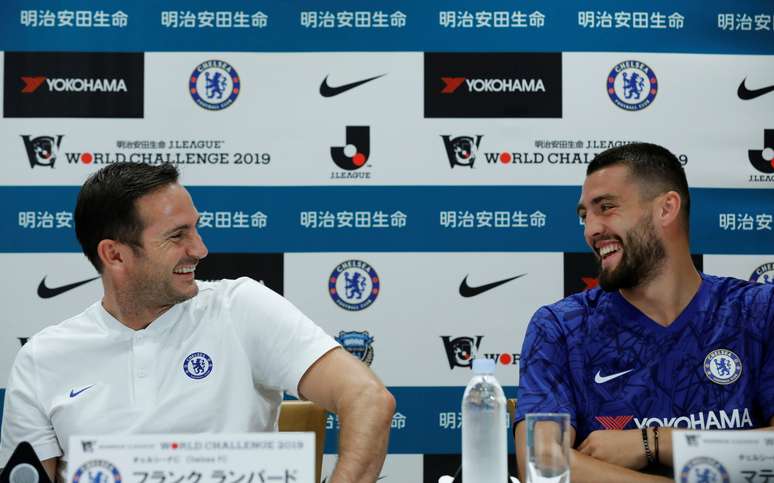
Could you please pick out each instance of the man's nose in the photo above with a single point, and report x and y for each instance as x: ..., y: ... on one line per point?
x: 198, y: 249
x: 592, y: 226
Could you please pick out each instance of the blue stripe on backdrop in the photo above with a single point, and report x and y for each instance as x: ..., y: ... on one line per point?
x: 713, y: 26
x: 437, y: 218
x: 427, y: 420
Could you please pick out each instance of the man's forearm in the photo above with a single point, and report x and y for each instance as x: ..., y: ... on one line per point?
x: 50, y: 466
x: 585, y: 469
x: 365, y: 428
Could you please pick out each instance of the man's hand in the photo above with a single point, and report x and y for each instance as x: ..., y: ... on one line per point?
x: 520, y: 441
x: 344, y: 385
x: 618, y: 447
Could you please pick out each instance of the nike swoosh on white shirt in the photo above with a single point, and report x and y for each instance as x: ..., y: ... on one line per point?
x: 600, y: 379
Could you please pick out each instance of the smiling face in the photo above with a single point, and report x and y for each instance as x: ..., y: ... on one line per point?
x: 161, y: 273
x: 619, y: 229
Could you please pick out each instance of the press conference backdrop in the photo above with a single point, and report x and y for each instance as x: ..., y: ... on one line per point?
x: 404, y: 172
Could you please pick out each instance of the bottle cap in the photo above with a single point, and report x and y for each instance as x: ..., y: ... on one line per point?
x: 483, y: 365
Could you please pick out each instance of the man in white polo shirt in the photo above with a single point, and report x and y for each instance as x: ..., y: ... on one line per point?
x: 162, y: 352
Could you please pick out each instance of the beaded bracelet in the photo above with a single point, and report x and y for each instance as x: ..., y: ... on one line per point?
x: 648, y: 453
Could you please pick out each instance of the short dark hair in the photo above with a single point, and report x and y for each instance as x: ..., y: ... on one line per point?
x: 106, y: 204
x: 654, y: 168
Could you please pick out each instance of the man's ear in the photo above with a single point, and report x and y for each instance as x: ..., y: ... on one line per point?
x: 668, y: 208
x: 111, y: 253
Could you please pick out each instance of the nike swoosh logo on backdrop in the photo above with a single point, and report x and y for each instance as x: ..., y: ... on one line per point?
x: 600, y: 379
x: 74, y: 393
x: 746, y: 94
x: 468, y: 291
x: 328, y: 91
x: 45, y: 292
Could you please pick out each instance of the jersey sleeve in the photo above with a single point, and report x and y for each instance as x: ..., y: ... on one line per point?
x: 281, y: 342
x: 544, y: 374
x: 24, y: 418
x: 766, y: 378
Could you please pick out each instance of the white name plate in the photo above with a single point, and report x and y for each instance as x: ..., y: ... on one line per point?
x: 723, y: 456
x: 193, y: 458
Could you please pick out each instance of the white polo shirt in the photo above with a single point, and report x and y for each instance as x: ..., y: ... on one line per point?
x: 215, y: 363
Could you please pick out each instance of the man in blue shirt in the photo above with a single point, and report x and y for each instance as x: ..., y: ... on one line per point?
x: 658, y: 345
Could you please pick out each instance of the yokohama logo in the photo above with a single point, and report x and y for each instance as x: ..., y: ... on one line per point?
x: 492, y: 85
x: 451, y: 84
x: 720, y: 419
x: 614, y: 422
x: 708, y: 420
x: 31, y: 84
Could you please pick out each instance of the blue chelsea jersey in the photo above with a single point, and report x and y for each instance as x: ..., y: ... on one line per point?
x: 597, y: 357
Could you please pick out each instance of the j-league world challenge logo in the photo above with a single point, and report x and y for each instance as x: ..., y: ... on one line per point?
x: 42, y: 150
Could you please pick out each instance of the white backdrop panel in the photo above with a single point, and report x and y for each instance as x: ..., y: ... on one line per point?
x: 739, y: 266
x: 420, y: 302
x: 26, y: 313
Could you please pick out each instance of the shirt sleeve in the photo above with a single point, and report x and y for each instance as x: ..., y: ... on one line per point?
x: 24, y: 418
x: 281, y: 342
x: 766, y: 377
x: 545, y: 384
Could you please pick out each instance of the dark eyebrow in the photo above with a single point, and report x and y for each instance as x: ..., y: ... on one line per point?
x: 599, y: 199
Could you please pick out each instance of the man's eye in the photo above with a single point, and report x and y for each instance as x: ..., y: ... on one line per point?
x: 176, y: 236
x: 604, y: 208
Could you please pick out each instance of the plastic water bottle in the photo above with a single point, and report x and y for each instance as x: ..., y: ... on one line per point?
x: 484, y: 427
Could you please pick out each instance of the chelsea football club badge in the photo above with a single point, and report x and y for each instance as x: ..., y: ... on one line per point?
x: 97, y: 470
x: 197, y: 365
x: 722, y: 366
x: 214, y: 85
x: 353, y: 285
x: 704, y: 468
x: 632, y: 85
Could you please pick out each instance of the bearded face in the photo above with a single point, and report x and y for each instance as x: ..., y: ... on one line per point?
x: 643, y: 254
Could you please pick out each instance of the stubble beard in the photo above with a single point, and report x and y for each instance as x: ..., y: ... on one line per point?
x: 153, y: 290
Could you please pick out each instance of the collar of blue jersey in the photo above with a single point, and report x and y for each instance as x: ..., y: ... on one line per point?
x: 629, y: 312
